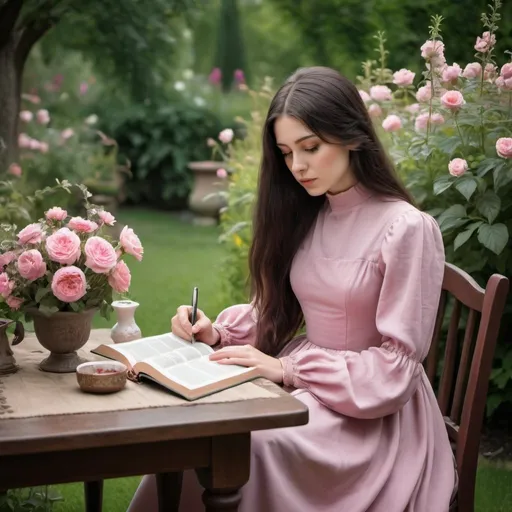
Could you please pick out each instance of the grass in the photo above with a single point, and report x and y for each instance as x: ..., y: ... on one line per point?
x: 177, y: 257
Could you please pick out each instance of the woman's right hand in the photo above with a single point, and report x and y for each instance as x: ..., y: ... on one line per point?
x: 203, y: 329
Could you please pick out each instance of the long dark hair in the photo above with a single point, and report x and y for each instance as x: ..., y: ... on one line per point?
x: 331, y: 107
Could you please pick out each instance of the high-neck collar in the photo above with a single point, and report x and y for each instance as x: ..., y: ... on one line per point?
x: 348, y: 198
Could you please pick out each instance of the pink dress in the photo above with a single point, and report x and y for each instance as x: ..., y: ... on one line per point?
x: 368, y: 278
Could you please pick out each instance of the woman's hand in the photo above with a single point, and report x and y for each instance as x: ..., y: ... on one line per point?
x: 203, y: 329
x: 247, y: 355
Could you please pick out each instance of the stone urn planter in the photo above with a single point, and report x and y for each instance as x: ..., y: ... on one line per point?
x: 62, y: 333
x: 203, y: 201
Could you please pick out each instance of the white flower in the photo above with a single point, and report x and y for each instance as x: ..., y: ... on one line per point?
x: 200, y: 102
x: 92, y: 119
x: 180, y: 86
x: 188, y: 74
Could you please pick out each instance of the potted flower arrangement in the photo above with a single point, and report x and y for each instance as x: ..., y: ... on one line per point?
x: 60, y: 271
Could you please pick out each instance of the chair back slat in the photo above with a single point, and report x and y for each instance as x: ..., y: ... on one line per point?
x: 466, y: 366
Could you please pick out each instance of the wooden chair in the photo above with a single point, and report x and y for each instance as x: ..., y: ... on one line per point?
x: 463, y: 384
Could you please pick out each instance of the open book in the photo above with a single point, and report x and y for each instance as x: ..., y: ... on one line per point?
x: 179, y: 365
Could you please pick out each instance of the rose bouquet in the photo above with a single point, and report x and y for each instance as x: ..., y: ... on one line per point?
x: 63, y: 263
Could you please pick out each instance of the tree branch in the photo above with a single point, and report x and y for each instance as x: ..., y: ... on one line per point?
x: 29, y: 37
x: 9, y: 14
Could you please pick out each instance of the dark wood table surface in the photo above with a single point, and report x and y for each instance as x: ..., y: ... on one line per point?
x: 213, y: 439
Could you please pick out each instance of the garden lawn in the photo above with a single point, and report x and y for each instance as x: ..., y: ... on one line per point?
x: 177, y: 257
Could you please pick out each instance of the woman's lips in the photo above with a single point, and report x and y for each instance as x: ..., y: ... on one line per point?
x: 307, y: 183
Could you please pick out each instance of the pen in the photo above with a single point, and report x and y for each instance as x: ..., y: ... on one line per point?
x: 195, y: 296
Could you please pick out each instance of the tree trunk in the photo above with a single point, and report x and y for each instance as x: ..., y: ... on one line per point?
x: 10, y: 92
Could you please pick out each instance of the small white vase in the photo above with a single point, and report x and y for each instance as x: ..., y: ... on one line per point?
x: 126, y: 329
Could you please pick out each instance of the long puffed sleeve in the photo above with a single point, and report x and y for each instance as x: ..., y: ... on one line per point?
x: 380, y: 380
x: 236, y: 325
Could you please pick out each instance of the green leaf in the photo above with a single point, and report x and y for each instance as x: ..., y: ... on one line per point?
x: 492, y: 403
x: 41, y: 293
x: 464, y: 236
x: 486, y: 165
x: 74, y: 306
x: 502, y: 379
x: 48, y: 310
x: 442, y: 184
x: 449, y: 145
x: 466, y: 186
x: 455, y: 216
x: 489, y: 205
x: 494, y: 237
x: 502, y: 176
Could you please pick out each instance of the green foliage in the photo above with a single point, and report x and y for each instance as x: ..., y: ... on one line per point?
x: 36, y: 499
x: 160, y: 140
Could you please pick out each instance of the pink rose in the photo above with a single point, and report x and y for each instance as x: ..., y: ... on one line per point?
x: 504, y: 147
x: 63, y: 246
x: 502, y: 83
x: 43, y: 117
x: 452, y: 100
x: 6, y: 258
x: 364, y: 96
x: 490, y: 71
x: 472, y: 70
x: 433, y: 52
x: 32, y: 234
x: 403, y: 77
x: 222, y: 173
x: 35, y: 145
x: 120, y: 278
x: 107, y: 218
x: 506, y: 70
x: 68, y: 284
x: 67, y: 133
x: 381, y: 93
x: 26, y: 116
x: 14, y: 302
x: 424, y: 94
x: 131, y: 243
x: 374, y: 110
x: 6, y: 286
x: 24, y: 140
x: 56, y: 213
x: 15, y: 170
x: 82, y: 225
x: 31, y: 265
x: 226, y: 136
x: 437, y: 119
x: 421, y: 122
x: 451, y: 73
x: 457, y: 167
x: 44, y: 147
x: 101, y: 256
x: 412, y: 109
x: 392, y: 123
x: 485, y: 43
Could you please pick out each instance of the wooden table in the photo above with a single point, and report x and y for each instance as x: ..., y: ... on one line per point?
x: 214, y: 439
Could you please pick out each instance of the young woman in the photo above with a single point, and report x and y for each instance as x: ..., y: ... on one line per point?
x: 338, y: 246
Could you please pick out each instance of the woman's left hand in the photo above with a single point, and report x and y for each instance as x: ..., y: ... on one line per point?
x: 246, y: 355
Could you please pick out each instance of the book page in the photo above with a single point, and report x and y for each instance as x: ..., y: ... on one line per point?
x: 153, y: 347
x: 197, y: 373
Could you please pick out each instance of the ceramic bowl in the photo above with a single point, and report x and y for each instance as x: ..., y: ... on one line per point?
x: 101, y: 376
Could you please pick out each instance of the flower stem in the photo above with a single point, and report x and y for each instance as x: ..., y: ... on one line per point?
x: 460, y: 134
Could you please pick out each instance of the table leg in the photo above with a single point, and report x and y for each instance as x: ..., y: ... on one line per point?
x: 228, y: 472
x: 93, y: 496
x: 169, y: 491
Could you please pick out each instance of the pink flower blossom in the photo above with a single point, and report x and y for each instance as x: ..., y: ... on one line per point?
x: 239, y: 76
x: 485, y: 43
x: 56, y: 213
x: 392, y: 123
x: 433, y: 52
x: 374, y: 110
x: 457, y: 167
x: 364, y: 96
x: 226, y: 135
x: 120, y: 278
x: 14, y: 302
x: 6, y: 286
x: 424, y: 94
x: 100, y: 255
x: 506, y: 70
x: 222, y: 173
x: 69, y: 284
x: 31, y: 265
x: 381, y: 93
x: 63, y: 246
x: 403, y: 77
x: 24, y: 140
x: 43, y: 116
x: 67, y: 133
x: 34, y: 145
x: 44, y: 147
x: 31, y: 234
x: 14, y: 170
x: 451, y: 73
x: 84, y: 87
x: 131, y: 243
x: 490, y: 72
x: 210, y: 142
x: 107, y: 218
x: 26, y: 116
x: 82, y: 225
x: 452, y: 100
x: 412, y: 109
x: 215, y: 76
x: 421, y: 122
x: 501, y: 83
x: 472, y: 70
x: 6, y: 258
x: 504, y: 147
x: 437, y: 118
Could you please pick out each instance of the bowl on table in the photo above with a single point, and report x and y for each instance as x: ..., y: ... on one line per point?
x: 101, y: 376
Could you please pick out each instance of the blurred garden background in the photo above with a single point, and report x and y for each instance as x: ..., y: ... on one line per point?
x: 124, y: 97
